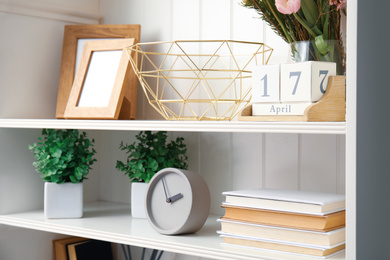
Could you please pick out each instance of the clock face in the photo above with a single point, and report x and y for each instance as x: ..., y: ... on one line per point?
x: 169, y: 201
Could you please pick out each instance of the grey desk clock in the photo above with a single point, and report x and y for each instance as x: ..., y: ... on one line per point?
x: 177, y: 201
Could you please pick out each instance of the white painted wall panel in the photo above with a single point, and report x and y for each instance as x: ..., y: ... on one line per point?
x: 30, y: 65
x: 280, y: 47
x: 21, y: 188
x: 341, y: 164
x: 318, y: 163
x: 216, y: 166
x: 281, y: 168
x: 215, y: 20
x: 113, y: 184
x: 247, y: 164
x: 185, y: 20
x: 246, y: 24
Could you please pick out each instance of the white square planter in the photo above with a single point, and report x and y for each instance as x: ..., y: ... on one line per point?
x: 138, y: 197
x: 63, y: 200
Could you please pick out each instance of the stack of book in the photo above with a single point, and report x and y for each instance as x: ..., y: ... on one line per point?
x: 297, y: 222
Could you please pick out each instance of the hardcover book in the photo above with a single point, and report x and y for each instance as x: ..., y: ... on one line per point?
x: 90, y: 249
x: 329, y: 238
x: 286, y: 219
x: 60, y: 246
x: 287, y: 200
x: 296, y: 248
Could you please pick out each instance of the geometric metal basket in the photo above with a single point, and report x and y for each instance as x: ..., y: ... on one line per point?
x: 197, y: 80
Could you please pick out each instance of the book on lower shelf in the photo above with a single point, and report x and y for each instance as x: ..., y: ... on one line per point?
x: 286, y: 219
x: 329, y: 238
x: 90, y: 249
x: 287, y: 200
x: 78, y: 248
x: 60, y: 246
x: 283, y: 246
x: 307, y: 223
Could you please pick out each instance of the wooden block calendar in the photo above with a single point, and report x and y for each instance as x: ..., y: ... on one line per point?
x: 331, y: 106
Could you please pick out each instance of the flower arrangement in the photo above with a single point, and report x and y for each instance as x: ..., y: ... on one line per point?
x: 317, y: 21
x: 151, y: 154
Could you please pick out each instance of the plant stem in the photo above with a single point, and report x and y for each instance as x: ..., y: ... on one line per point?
x: 280, y: 22
x: 307, y: 27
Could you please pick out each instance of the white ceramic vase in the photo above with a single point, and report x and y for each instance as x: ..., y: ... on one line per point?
x: 138, y: 196
x: 63, y: 200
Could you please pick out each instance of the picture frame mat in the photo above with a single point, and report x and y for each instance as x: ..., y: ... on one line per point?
x: 113, y: 108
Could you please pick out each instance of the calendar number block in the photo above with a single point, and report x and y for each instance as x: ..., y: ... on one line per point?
x: 305, y: 81
x: 265, y: 83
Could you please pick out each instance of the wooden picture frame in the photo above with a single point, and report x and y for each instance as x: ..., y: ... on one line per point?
x: 99, y: 86
x: 72, y: 35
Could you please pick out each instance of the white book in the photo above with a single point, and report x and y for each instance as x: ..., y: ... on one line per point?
x: 282, y: 246
x: 274, y: 233
x: 254, y: 250
x: 304, y: 202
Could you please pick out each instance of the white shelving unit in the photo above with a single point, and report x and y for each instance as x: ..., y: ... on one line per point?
x: 37, y: 77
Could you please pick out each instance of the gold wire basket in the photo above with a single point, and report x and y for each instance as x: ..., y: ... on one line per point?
x: 197, y: 80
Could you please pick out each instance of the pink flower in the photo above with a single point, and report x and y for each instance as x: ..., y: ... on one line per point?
x: 340, y: 3
x: 288, y: 6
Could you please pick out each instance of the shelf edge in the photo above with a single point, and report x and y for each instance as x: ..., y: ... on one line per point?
x: 181, y: 126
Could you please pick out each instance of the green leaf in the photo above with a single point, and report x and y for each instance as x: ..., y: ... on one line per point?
x: 73, y: 179
x: 150, y: 154
x: 310, y: 11
x: 321, y: 45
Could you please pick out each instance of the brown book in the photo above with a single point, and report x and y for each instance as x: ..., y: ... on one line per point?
x: 286, y: 219
x: 284, y: 247
x: 60, y: 246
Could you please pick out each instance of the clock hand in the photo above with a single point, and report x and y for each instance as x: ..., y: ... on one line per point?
x: 165, y: 190
x: 175, y: 198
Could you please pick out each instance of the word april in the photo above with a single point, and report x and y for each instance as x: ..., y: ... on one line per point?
x: 278, y: 110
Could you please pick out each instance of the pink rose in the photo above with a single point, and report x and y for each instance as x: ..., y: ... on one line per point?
x: 288, y: 6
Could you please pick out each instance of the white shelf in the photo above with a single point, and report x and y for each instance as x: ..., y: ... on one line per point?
x: 181, y: 126
x: 113, y: 222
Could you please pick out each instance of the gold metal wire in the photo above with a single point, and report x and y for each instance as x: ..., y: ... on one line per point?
x: 159, y: 71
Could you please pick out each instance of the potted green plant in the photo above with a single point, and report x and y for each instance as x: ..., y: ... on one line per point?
x: 145, y: 158
x: 64, y: 158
